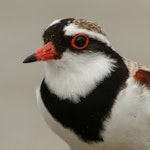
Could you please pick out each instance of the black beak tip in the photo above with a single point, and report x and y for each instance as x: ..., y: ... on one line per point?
x: 30, y: 59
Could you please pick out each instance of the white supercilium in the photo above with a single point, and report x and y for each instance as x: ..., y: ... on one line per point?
x: 73, y: 29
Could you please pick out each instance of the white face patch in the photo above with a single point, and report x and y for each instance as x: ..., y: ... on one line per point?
x: 73, y: 29
x: 74, y: 76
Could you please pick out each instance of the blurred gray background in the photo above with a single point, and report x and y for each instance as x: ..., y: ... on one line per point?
x: 22, y: 22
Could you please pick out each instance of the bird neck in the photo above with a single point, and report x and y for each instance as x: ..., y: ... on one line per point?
x: 75, y: 76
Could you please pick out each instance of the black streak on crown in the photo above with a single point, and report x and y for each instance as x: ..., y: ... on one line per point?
x: 55, y: 34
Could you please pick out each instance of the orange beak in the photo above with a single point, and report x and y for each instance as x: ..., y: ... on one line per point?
x: 47, y: 52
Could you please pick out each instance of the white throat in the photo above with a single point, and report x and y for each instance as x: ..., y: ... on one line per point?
x: 75, y: 76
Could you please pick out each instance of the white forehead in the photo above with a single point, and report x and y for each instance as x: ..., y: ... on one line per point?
x: 72, y: 29
x: 54, y: 22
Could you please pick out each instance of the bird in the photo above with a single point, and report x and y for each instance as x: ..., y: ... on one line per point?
x: 92, y: 97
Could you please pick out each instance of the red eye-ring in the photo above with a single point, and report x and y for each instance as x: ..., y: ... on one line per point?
x: 80, y: 41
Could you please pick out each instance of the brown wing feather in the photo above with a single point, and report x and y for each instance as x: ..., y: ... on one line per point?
x: 143, y: 76
x: 139, y: 72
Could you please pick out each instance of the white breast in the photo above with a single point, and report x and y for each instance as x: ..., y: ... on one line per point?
x: 126, y: 129
x: 129, y: 125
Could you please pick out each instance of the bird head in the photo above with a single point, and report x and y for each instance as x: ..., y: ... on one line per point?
x: 69, y: 35
x: 78, y: 56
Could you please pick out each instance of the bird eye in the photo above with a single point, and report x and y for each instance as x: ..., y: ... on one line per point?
x: 80, y: 41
